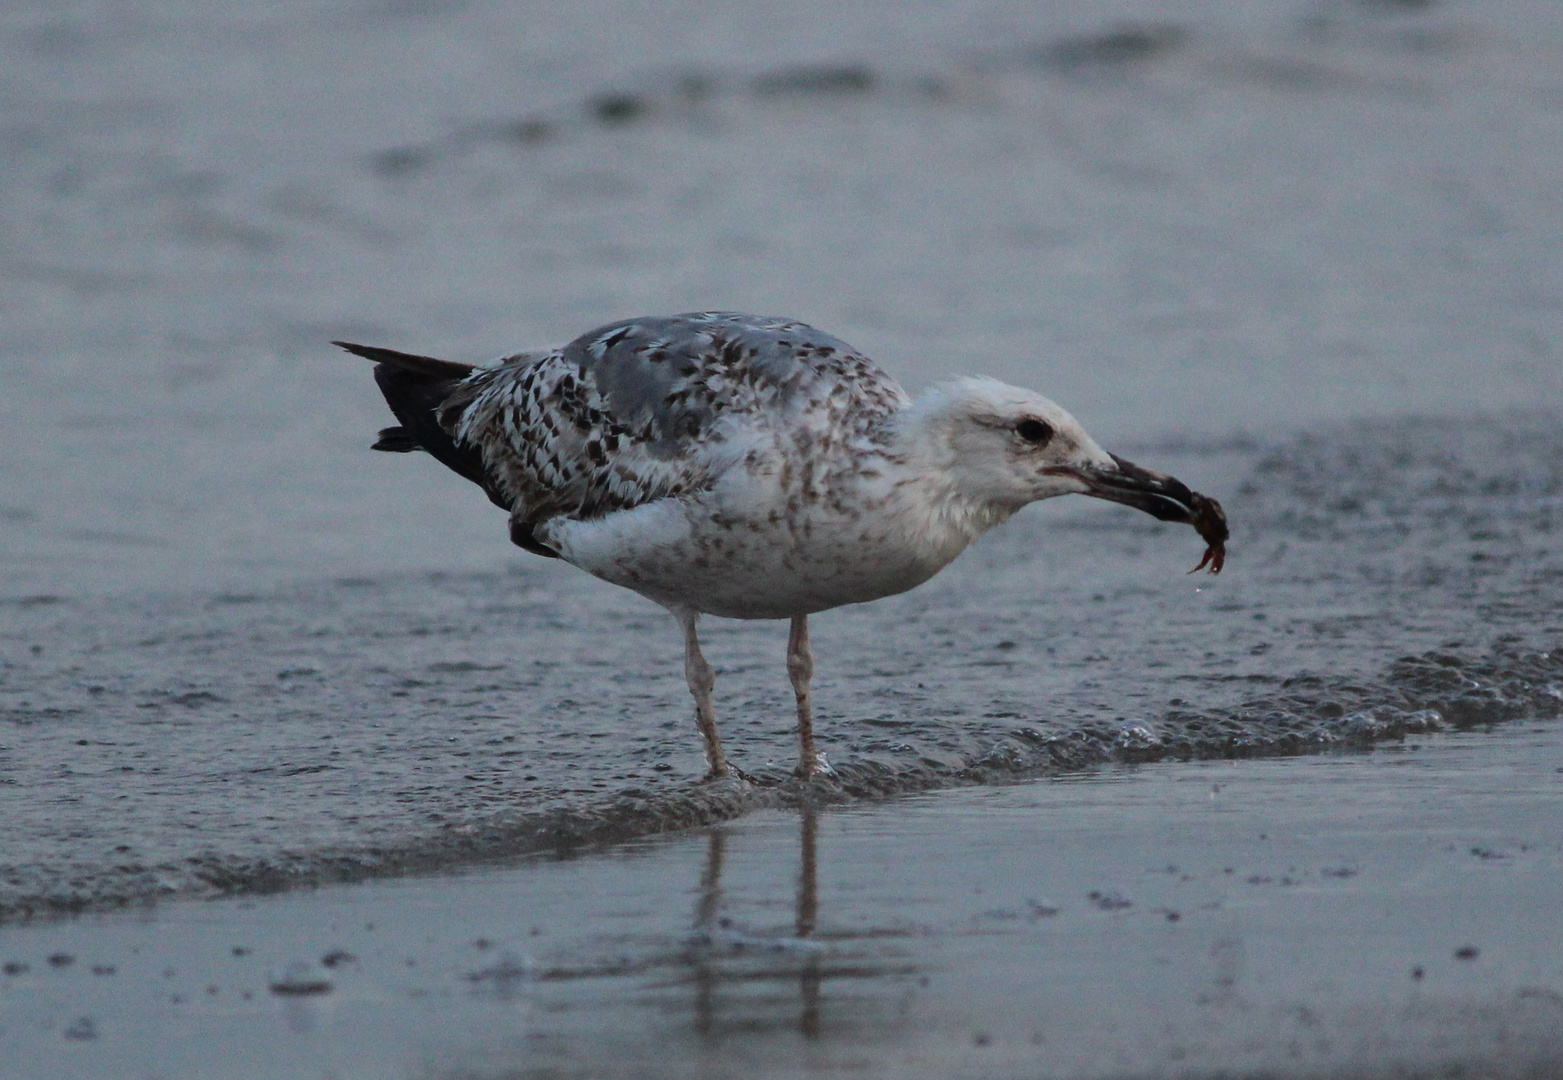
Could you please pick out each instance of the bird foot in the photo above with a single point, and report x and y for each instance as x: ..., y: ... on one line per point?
x: 820, y: 766
x: 729, y: 772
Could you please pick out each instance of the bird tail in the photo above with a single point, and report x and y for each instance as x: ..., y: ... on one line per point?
x: 415, y: 387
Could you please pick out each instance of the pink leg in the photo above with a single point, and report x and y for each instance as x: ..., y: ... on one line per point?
x: 800, y: 667
x: 702, y: 680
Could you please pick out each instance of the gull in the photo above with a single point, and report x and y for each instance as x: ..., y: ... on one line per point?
x: 751, y: 467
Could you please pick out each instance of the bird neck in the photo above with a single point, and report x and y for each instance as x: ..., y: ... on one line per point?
x: 930, y: 479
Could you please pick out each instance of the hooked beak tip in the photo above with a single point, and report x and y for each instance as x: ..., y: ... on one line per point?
x: 1164, y: 498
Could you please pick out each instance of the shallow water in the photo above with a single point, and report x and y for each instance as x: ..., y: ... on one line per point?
x: 1343, y: 915
x: 188, y: 743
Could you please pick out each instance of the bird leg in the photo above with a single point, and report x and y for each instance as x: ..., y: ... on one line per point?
x: 800, y: 667
x: 702, y: 680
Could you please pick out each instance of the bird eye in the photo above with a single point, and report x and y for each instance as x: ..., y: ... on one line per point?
x: 1034, y: 431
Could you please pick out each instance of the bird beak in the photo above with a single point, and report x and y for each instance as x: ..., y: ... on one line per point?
x: 1161, y: 496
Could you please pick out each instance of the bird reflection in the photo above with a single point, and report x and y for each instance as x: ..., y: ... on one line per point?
x: 742, y: 979
x: 715, y: 942
x: 808, y: 915
x: 705, y: 921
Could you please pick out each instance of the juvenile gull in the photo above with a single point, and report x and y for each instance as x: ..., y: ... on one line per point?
x: 753, y: 468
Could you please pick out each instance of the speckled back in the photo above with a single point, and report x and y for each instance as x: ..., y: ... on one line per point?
x: 631, y: 412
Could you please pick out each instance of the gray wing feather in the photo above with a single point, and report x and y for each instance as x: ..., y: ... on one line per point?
x: 634, y: 411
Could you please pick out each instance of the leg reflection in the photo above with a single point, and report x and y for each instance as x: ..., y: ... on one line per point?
x: 706, y: 909
x: 808, y: 913
x: 722, y: 953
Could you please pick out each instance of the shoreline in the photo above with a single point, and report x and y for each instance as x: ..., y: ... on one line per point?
x: 1473, y: 696
x: 1356, y: 915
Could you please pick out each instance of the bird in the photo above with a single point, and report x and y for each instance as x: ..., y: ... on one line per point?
x: 751, y: 467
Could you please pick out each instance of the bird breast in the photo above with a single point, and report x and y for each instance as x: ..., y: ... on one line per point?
x: 777, y: 535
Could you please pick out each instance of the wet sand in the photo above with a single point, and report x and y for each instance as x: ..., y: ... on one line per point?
x: 1344, y: 915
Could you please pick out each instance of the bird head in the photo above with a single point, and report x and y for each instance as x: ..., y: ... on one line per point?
x: 1003, y: 447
